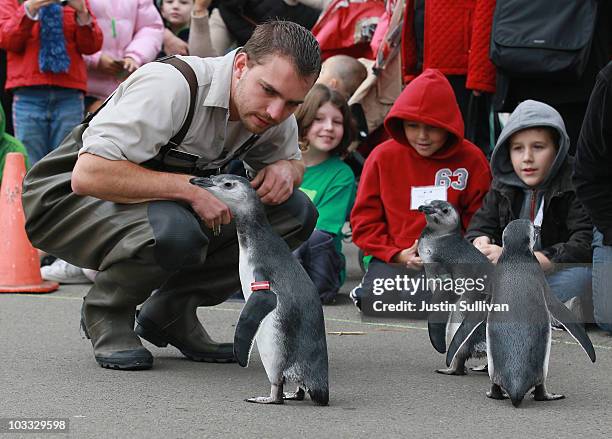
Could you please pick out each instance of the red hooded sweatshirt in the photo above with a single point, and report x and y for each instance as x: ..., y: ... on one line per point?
x: 382, y: 221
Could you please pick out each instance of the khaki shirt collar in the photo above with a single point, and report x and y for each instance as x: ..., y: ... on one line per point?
x: 220, y: 84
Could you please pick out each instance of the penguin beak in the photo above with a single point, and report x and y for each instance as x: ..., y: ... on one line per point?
x: 202, y: 182
x: 427, y: 209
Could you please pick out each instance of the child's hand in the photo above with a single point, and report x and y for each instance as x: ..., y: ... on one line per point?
x: 129, y: 65
x: 481, y: 241
x: 200, y: 6
x: 108, y: 65
x: 545, y: 263
x: 491, y: 251
x: 173, y: 45
x: 409, y: 257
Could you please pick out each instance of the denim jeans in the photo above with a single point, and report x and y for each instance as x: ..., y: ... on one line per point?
x: 602, y: 282
x: 570, y: 282
x: 43, y: 116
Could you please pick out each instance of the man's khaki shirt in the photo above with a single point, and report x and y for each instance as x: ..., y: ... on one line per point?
x: 150, y: 106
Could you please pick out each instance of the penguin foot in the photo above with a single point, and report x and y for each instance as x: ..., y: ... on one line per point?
x: 265, y: 400
x: 540, y: 394
x: 496, y: 392
x: 452, y: 371
x: 482, y: 368
x: 298, y: 395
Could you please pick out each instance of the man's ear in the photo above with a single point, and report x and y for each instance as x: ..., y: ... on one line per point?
x: 240, y: 64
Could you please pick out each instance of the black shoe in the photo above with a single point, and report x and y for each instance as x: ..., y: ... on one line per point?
x: 210, y: 352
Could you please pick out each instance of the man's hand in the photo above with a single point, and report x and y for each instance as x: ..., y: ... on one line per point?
x: 210, y: 209
x: 275, y: 182
x: 173, y: 45
x: 481, y: 241
x: 409, y: 257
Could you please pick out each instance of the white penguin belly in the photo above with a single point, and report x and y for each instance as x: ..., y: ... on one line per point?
x: 245, y: 271
x: 269, y: 347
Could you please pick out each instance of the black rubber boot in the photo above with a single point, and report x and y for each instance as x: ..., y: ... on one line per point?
x: 107, y: 316
x: 169, y: 317
x: 116, y: 346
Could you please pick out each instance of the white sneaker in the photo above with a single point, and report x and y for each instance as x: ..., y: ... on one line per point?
x: 64, y: 273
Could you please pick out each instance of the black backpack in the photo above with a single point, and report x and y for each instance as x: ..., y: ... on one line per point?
x: 543, y: 38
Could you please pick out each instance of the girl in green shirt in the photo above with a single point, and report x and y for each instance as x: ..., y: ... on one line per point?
x: 326, y: 129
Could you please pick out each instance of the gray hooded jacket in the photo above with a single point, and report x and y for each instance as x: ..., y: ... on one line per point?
x: 566, y: 232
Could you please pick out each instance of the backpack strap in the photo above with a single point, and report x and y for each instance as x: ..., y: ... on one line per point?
x: 192, y: 80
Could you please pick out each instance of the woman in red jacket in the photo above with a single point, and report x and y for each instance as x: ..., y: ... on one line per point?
x: 44, y: 43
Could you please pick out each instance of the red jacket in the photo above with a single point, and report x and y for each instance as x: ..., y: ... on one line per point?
x: 456, y: 41
x: 19, y: 36
x: 343, y: 27
x: 381, y: 220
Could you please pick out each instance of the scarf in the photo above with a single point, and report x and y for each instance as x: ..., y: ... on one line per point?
x: 52, y: 56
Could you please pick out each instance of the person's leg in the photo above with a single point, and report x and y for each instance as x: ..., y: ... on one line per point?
x: 602, y: 282
x: 323, y: 264
x: 169, y: 316
x: 570, y: 282
x: 67, y: 108
x: 392, y: 284
x: 151, y: 248
x: 30, y: 121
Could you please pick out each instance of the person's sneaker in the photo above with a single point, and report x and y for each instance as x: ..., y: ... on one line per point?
x: 355, y: 296
x: 64, y: 273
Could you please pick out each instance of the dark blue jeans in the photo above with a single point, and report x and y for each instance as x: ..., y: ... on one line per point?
x: 43, y: 116
x: 602, y: 282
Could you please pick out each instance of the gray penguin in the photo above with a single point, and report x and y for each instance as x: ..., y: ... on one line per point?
x: 446, y: 253
x: 283, y: 311
x: 518, y: 326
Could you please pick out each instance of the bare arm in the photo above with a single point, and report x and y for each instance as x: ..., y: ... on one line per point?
x: 122, y: 181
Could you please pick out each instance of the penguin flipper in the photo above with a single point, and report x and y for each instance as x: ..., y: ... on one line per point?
x: 469, y: 325
x: 437, y: 321
x: 260, y: 304
x: 568, y: 320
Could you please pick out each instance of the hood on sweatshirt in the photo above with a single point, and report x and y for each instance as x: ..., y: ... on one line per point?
x: 528, y: 114
x: 428, y: 99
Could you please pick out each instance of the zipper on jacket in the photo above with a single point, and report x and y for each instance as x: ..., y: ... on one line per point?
x: 533, y: 205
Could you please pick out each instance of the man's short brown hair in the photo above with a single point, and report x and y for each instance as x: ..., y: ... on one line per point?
x: 286, y: 39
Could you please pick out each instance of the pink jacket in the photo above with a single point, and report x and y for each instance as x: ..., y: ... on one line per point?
x: 131, y: 28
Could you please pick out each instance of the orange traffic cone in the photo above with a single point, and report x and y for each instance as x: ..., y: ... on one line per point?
x: 19, y: 263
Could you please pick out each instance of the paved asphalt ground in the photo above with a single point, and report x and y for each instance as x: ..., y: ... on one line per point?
x: 382, y: 383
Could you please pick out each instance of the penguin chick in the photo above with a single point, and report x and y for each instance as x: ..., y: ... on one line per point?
x: 446, y: 253
x: 283, y: 311
x: 518, y: 321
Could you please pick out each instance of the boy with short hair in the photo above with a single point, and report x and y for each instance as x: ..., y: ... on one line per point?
x: 532, y: 180
x: 427, y: 157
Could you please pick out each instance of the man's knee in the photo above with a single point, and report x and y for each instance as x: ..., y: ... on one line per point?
x: 295, y: 219
x: 179, y: 239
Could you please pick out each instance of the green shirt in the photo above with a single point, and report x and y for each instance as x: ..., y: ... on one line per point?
x: 9, y: 144
x: 331, y: 187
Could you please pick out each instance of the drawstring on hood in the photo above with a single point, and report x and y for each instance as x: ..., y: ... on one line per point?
x: 428, y: 99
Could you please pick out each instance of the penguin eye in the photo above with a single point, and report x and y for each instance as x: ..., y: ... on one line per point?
x: 228, y: 185
x: 445, y: 211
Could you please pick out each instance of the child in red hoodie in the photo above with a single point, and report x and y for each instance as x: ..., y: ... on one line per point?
x: 427, y: 157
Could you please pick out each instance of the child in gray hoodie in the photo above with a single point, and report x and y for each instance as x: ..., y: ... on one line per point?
x: 532, y: 180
